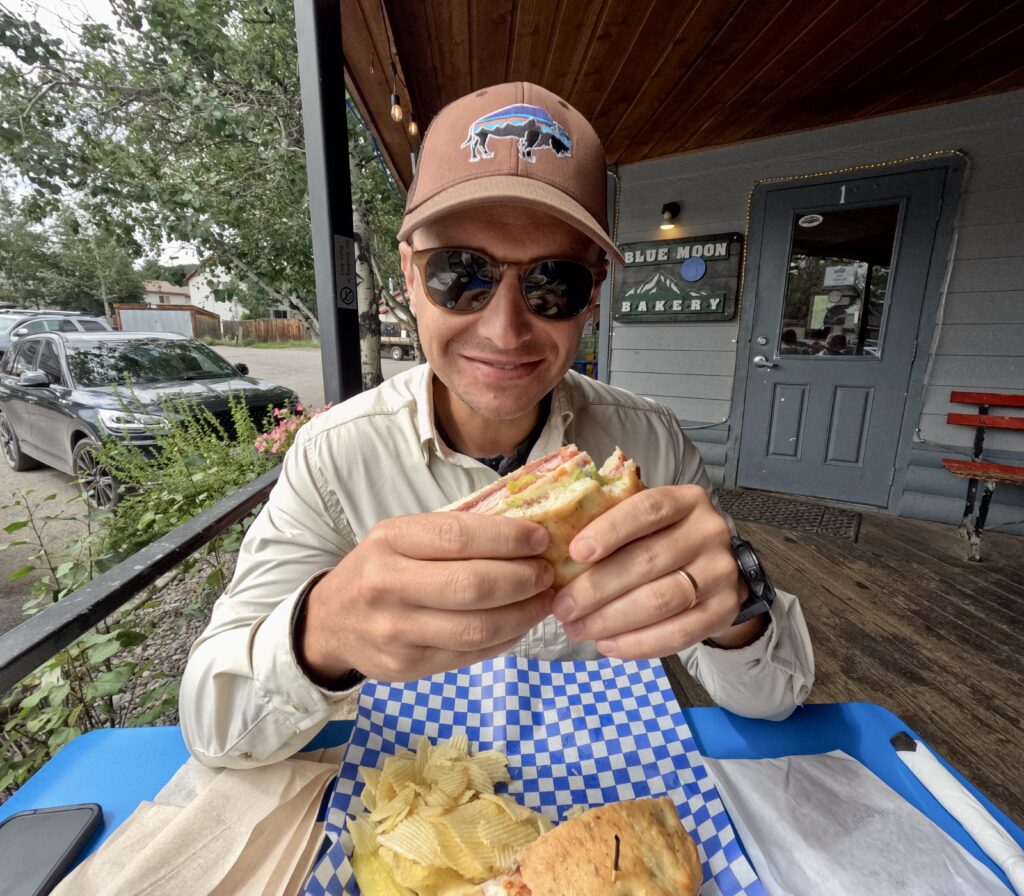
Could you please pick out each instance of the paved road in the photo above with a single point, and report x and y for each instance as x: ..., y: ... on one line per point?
x: 296, y: 368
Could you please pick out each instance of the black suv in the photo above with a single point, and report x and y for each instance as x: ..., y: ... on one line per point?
x: 61, y: 393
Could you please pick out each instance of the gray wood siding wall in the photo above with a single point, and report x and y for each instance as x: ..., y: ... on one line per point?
x: 979, y: 342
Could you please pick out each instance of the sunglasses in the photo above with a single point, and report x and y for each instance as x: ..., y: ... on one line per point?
x: 463, y: 281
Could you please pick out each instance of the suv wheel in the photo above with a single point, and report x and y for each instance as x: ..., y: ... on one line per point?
x: 397, y: 353
x: 10, y: 447
x: 96, y: 482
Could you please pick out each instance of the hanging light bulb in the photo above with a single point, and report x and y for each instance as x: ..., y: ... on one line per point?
x: 396, y: 105
x: 413, y: 127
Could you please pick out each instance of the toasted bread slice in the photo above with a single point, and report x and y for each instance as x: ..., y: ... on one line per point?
x: 563, y: 492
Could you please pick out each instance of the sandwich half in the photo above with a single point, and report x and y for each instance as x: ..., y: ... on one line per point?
x: 632, y: 848
x: 563, y: 491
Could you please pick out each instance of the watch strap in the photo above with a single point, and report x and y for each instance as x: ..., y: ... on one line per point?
x: 762, y: 594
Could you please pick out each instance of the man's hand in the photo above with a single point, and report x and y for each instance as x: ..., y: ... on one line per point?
x: 426, y: 593
x: 634, y: 602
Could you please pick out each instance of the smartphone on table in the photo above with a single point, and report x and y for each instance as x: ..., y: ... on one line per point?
x: 39, y: 846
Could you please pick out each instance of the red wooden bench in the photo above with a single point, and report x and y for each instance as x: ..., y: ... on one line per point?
x: 976, y: 469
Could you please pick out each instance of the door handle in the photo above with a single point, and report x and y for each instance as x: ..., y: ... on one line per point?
x: 762, y: 361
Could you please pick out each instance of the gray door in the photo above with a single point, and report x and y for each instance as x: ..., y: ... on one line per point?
x: 841, y: 274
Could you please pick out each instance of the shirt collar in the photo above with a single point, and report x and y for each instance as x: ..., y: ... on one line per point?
x: 551, y: 437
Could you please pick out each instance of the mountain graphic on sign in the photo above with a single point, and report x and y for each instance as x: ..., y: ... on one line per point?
x: 660, y: 286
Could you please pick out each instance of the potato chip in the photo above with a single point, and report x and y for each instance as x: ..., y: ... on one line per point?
x: 402, y: 800
x: 434, y: 821
x: 416, y: 839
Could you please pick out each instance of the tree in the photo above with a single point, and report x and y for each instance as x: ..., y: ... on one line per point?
x: 183, y: 124
x: 377, y: 208
x: 152, y: 269
x: 24, y: 255
x: 62, y: 262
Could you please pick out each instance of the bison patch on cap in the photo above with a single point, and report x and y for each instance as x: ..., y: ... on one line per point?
x: 530, y: 126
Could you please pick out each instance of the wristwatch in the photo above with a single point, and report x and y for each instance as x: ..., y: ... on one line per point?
x: 762, y: 594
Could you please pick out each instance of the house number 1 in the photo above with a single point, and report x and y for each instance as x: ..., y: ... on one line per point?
x: 842, y: 195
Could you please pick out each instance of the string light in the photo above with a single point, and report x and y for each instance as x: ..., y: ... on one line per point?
x: 414, y: 128
x: 396, y: 105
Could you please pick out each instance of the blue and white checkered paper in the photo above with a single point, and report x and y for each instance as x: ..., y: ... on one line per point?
x: 585, y: 733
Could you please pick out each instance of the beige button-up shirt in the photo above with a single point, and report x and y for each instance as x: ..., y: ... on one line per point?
x: 244, y: 698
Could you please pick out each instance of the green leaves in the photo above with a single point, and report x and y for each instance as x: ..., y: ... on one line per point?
x: 20, y: 573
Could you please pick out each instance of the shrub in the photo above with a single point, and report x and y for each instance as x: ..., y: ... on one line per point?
x: 195, y: 465
x: 92, y: 683
x: 96, y: 682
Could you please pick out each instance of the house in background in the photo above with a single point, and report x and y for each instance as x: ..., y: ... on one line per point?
x: 206, y: 279
x: 161, y: 292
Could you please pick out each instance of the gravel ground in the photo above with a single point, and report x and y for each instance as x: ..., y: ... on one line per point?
x: 178, y: 623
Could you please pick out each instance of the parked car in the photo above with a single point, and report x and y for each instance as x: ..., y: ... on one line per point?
x: 15, y: 325
x: 63, y: 393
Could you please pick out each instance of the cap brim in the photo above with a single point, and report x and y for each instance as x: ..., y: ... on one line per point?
x: 510, y: 190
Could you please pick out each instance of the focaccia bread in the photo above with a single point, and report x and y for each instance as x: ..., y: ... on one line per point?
x: 632, y: 848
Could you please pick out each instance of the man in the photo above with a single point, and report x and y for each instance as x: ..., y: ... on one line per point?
x: 347, y: 572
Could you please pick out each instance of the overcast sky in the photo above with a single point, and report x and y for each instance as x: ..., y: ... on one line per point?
x: 62, y: 18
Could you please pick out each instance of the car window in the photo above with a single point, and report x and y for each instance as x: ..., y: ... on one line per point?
x: 67, y: 326
x: 41, y: 326
x: 93, y: 326
x: 24, y: 359
x: 49, y: 362
x: 114, y: 362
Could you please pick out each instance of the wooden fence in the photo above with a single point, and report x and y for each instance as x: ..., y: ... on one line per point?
x: 265, y: 330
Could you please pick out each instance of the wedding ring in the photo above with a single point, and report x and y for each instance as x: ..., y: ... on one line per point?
x: 693, y: 583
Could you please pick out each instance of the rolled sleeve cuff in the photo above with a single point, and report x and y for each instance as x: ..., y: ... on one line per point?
x: 767, y: 679
x: 274, y: 660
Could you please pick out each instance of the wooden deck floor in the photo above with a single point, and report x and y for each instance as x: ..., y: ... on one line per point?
x: 901, y: 619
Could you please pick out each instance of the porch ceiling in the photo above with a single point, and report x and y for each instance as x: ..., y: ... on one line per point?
x: 659, y: 77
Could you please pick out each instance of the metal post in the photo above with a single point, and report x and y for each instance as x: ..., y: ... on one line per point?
x: 322, y: 82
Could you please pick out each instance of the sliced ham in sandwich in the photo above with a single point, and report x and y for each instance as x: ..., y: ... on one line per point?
x: 563, y: 491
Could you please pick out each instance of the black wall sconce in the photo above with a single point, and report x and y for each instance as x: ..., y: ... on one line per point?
x: 669, y: 213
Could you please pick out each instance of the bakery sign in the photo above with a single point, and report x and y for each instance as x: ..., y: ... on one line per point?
x: 672, y: 281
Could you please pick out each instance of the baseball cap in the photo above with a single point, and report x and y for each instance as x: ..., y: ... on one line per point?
x: 518, y: 144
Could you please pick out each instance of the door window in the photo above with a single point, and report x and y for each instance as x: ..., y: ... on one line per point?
x: 837, y: 282
x: 49, y: 363
x: 25, y: 359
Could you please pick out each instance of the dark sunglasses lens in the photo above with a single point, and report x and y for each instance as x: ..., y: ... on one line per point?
x: 458, y: 280
x: 559, y: 289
